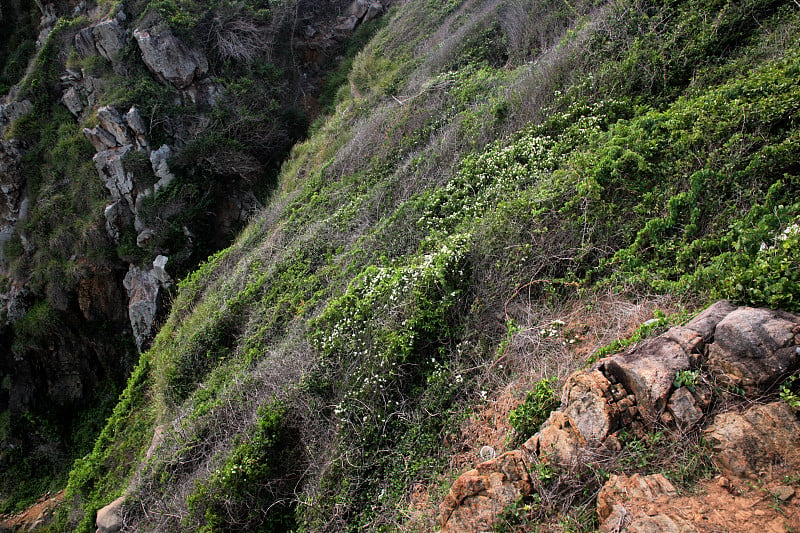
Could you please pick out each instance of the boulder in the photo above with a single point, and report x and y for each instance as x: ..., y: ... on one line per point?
x: 559, y: 440
x: 143, y: 289
x: 168, y: 58
x: 112, y: 171
x: 158, y: 160
x: 753, y: 348
x: 111, y: 121
x: 746, y: 444
x: 100, y: 138
x: 13, y: 110
x: 73, y: 102
x: 683, y: 407
x: 649, y: 371
x: 478, y: 497
x: 109, y: 518
x: 109, y: 38
x: 585, y: 398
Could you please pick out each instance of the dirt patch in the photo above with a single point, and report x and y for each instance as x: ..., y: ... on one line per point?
x: 35, y: 516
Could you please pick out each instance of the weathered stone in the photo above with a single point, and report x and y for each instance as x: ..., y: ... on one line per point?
x: 478, y: 497
x: 143, y: 288
x: 754, y: 347
x: 111, y: 121
x: 706, y: 322
x: 100, y: 296
x: 358, y: 8
x: 168, y: 58
x: 118, y: 215
x: 158, y: 160
x: 84, y: 43
x: 109, y: 38
x: 109, y: 518
x: 683, y: 407
x: 73, y: 102
x: 100, y: 138
x: 346, y: 26
x: 159, y: 269
x: 748, y: 443
x: 649, y: 372
x: 585, y: 399
x: 112, y: 171
x: 374, y: 11
x: 559, y: 440
x: 13, y: 110
x: 621, y: 500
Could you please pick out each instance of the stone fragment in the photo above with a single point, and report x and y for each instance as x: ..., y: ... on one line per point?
x: 684, y: 409
x: 169, y: 58
x: 111, y: 121
x: 585, y: 399
x: 109, y: 38
x: 109, y: 165
x: 648, y: 372
x: 158, y: 160
x: 358, y: 8
x: 72, y: 101
x: 783, y: 492
x: 84, y: 42
x: 109, y: 518
x: 751, y: 442
x: 143, y: 289
x: 559, y: 440
x: 478, y: 497
x: 100, y: 138
x: 754, y: 347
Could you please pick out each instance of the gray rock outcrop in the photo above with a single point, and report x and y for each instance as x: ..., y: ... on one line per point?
x: 169, y: 58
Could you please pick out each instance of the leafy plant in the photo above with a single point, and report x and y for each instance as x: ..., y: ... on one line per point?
x: 526, y: 418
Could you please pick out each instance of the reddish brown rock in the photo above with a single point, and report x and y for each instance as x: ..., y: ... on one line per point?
x: 559, y: 440
x: 749, y: 443
x: 585, y: 398
x: 478, y: 497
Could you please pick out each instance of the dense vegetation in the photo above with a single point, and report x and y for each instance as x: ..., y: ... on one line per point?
x: 494, y: 178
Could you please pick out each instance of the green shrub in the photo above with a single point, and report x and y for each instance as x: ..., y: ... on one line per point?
x: 526, y: 418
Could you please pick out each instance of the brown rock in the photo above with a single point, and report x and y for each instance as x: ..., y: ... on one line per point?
x: 748, y: 443
x: 109, y: 518
x: 559, y: 440
x: 754, y: 347
x: 585, y: 396
x: 683, y: 407
x: 706, y: 322
x: 625, y: 504
x: 478, y: 497
x: 649, y: 372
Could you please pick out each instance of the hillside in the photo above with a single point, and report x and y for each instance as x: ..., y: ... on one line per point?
x: 499, y: 194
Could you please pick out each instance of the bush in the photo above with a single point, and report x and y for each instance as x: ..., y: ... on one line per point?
x: 526, y: 418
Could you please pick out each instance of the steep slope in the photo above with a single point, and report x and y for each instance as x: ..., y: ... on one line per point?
x: 495, y: 177
x: 138, y: 138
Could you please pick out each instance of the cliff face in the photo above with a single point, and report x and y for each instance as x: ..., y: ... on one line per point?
x: 137, y: 139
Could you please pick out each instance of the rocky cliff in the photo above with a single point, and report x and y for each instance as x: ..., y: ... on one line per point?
x: 173, y: 132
